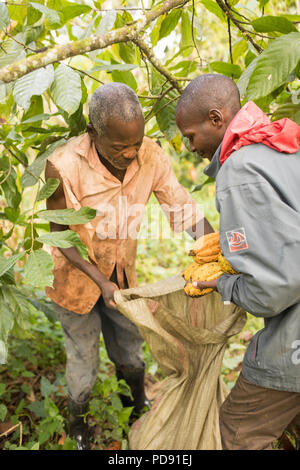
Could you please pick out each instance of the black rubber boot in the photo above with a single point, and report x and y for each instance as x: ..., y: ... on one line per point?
x: 79, y: 430
x: 135, y: 379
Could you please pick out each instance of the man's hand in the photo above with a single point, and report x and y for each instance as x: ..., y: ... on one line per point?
x: 204, y: 284
x: 107, y: 289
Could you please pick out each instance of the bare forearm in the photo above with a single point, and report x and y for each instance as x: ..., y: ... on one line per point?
x: 89, y: 269
x: 74, y: 257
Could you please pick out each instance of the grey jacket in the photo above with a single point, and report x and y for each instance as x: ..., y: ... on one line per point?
x: 258, y: 198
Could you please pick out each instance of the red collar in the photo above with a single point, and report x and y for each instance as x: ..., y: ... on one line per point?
x: 252, y: 126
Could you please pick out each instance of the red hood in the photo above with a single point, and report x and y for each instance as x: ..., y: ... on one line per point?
x: 252, y: 126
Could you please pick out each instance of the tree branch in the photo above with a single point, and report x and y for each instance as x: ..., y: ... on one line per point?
x: 156, y: 63
x: 237, y: 23
x: 60, y: 52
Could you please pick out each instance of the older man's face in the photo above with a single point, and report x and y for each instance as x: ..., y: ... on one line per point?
x: 121, y: 142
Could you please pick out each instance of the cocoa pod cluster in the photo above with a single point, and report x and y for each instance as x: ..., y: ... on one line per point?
x: 209, y: 263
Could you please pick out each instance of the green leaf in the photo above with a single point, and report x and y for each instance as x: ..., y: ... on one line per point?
x: 169, y: 23
x: 230, y: 70
x: 7, y: 263
x: 28, y: 234
x: 34, y: 83
x: 274, y: 65
x: 4, y: 16
x: 12, y: 214
x: 8, y: 277
x: 3, y: 412
x: 200, y: 186
x: 107, y: 21
x: 268, y: 24
x: 12, y: 195
x: 290, y: 110
x: 47, y: 387
x: 71, y: 10
x: 6, y: 319
x: 65, y: 239
x: 43, y: 307
x: 31, y: 175
x: 48, y: 189
x: 125, y: 77
x: 239, y: 48
x: 52, y: 16
x: 245, y: 77
x: 38, y: 269
x: 66, y: 88
x: 38, y: 117
x: 3, y: 352
x: 11, y: 51
x: 37, y: 407
x: 214, y: 8
x: 69, y: 216
x: 108, y: 67
x: 186, y: 34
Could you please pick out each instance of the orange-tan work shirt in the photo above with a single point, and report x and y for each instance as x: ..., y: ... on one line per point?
x: 111, y: 237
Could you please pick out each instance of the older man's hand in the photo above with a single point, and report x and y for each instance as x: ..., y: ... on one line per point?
x: 108, y: 289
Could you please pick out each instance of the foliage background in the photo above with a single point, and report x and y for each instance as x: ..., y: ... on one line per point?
x: 53, y: 55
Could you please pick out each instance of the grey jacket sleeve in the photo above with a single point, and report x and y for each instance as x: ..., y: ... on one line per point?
x: 260, y: 237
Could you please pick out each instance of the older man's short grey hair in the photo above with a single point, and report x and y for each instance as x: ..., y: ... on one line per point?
x: 113, y: 100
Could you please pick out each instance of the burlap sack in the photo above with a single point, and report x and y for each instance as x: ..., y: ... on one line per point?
x: 187, y: 336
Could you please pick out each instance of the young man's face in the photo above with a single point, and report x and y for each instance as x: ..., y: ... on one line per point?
x: 204, y: 135
x: 120, y: 143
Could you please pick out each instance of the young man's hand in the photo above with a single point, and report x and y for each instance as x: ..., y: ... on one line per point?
x: 107, y: 289
x: 204, y: 284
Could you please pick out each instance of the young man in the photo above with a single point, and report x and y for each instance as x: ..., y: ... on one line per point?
x: 112, y: 168
x: 256, y: 165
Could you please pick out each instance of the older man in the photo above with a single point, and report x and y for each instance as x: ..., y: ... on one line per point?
x: 114, y: 169
x: 256, y: 164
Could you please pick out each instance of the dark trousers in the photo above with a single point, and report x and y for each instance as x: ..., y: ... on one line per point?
x: 252, y: 417
x: 122, y: 340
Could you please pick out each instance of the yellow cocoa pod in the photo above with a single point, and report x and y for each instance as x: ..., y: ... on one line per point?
x: 187, y: 274
x: 196, y: 272
x: 206, y: 248
x: 225, y: 266
x: 192, y: 291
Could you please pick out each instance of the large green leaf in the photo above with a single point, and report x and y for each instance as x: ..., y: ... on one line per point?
x: 71, y: 10
x: 169, y: 23
x: 6, y: 319
x: 7, y: 263
x: 245, y: 77
x: 213, y: 7
x: 53, y: 17
x: 186, y: 34
x: 69, y: 216
x: 108, y: 67
x: 48, y: 189
x: 268, y: 24
x: 34, y: 83
x: 9, y: 187
x: 11, y: 50
x: 66, y: 88
x: 230, y: 70
x: 274, y: 65
x: 38, y: 269
x: 32, y: 173
x: 65, y: 239
x: 4, y: 16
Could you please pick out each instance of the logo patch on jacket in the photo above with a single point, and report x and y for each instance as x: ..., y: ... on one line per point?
x: 237, y: 240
